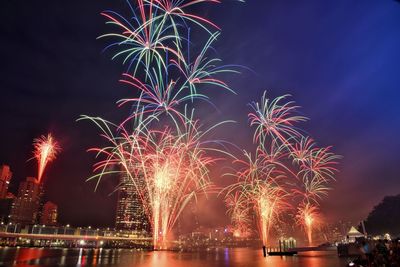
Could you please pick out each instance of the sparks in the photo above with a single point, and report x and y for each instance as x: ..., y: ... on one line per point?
x: 45, y: 151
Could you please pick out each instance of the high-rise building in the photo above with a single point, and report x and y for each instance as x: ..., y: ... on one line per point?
x: 5, y: 207
x: 5, y: 177
x: 49, y: 214
x: 26, y: 206
x: 130, y: 214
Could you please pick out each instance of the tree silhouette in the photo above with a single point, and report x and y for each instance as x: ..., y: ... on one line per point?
x: 385, y: 217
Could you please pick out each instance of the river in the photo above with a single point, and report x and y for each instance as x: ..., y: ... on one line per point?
x: 236, y: 257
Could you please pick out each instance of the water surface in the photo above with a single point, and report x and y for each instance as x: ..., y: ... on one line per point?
x: 236, y: 257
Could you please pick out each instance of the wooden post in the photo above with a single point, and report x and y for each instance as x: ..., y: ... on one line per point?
x: 264, y: 251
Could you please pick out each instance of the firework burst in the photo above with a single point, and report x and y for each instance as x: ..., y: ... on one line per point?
x: 276, y: 119
x: 317, y: 167
x: 168, y: 168
x: 286, y: 165
x: 45, y: 151
x: 156, y: 31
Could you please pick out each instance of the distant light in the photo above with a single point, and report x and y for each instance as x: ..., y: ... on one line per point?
x: 82, y: 242
x: 67, y: 225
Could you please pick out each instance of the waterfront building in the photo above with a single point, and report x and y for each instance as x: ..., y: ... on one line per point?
x: 49, y: 214
x: 353, y: 234
x: 26, y: 206
x: 130, y: 213
x: 5, y: 177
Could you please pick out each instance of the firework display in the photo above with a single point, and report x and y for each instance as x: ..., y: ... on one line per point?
x: 164, y: 149
x: 287, y: 170
x: 45, y: 151
x: 160, y: 143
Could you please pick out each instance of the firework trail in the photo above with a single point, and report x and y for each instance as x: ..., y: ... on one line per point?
x: 238, y: 210
x: 308, y: 217
x: 317, y: 167
x: 260, y: 189
x: 45, y: 151
x: 270, y: 202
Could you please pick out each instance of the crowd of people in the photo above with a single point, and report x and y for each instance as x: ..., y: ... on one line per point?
x: 380, y: 253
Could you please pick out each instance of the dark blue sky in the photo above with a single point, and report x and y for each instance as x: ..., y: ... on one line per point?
x: 339, y: 59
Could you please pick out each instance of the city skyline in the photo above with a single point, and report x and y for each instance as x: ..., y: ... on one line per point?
x: 352, y: 143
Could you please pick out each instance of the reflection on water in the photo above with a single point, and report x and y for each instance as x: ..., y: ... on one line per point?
x: 237, y: 257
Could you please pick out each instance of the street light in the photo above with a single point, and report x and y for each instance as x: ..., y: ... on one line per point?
x: 33, y: 228
x: 65, y: 228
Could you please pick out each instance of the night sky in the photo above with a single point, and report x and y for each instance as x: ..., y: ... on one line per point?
x: 339, y: 59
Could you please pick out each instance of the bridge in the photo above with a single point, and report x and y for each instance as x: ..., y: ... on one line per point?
x: 15, y: 239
